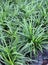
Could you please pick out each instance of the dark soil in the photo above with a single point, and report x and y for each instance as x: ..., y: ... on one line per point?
x: 42, y: 58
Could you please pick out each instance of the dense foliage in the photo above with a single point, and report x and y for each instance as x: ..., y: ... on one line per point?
x: 23, y: 30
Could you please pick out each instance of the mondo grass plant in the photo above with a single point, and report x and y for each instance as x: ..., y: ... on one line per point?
x: 35, y: 37
x: 10, y: 56
x: 23, y: 30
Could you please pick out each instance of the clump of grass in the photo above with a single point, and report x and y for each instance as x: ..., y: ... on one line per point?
x: 23, y: 29
x: 35, y: 37
x: 10, y: 56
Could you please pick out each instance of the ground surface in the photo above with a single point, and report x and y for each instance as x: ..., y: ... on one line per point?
x: 42, y: 59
